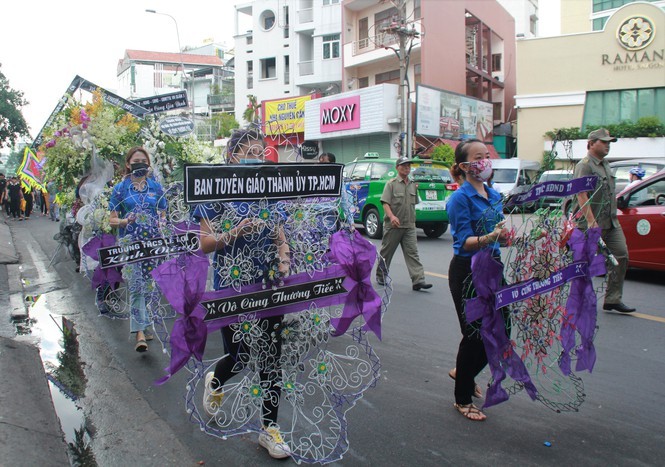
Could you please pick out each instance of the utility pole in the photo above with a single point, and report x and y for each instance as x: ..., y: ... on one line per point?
x: 406, y: 36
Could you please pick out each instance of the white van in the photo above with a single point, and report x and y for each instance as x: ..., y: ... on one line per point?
x: 510, y: 174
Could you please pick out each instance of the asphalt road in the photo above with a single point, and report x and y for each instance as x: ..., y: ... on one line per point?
x: 408, y: 419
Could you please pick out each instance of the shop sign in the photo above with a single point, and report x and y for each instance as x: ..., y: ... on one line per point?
x: 309, y: 149
x: 340, y: 114
x: 635, y: 34
x: 284, y: 116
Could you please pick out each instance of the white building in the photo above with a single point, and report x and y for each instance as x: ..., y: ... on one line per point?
x: 525, y: 13
x: 286, y: 48
x: 144, y: 73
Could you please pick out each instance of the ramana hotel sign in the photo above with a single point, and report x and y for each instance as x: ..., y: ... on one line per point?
x: 634, y: 35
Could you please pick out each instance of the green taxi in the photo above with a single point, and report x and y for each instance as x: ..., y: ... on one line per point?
x: 366, y: 177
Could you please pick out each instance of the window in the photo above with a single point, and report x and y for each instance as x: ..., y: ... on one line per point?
x: 359, y: 171
x: 652, y: 194
x: 379, y: 170
x: 363, y: 33
x: 250, y: 74
x: 387, y: 77
x: 268, y: 68
x: 416, y: 10
x: 599, y: 23
x: 363, y: 82
x: 331, y: 46
x: 330, y: 2
x: 607, y: 107
x: 286, y: 70
x: 384, y: 17
x: 347, y: 171
x: 418, y: 73
x: 533, y: 24
x: 602, y: 5
x: 496, y: 62
x: 267, y: 20
x: 286, y: 22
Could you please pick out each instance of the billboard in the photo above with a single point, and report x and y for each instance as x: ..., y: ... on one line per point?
x: 445, y: 114
x: 284, y: 116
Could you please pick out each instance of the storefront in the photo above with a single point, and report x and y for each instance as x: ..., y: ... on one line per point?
x: 594, y: 78
x: 283, y: 122
x: 353, y: 123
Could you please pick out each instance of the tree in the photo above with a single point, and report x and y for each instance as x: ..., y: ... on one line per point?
x: 445, y: 154
x: 225, y: 123
x: 12, y: 123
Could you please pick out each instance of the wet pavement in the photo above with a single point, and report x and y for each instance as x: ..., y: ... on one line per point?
x: 68, y: 396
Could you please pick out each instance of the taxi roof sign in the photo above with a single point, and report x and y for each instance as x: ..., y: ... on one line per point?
x: 372, y: 155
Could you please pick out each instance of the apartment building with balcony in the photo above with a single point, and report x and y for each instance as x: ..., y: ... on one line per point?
x: 465, y: 47
x: 143, y: 73
x: 286, y: 48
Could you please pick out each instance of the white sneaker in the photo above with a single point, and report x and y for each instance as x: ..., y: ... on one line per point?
x: 271, y: 439
x: 212, y: 398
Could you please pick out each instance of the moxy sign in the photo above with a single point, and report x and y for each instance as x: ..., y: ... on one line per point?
x: 341, y: 114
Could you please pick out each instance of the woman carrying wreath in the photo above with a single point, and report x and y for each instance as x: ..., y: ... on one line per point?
x: 137, y: 204
x: 249, y: 247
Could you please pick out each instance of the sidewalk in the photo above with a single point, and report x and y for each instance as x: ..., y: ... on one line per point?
x: 29, y: 428
x: 30, y: 432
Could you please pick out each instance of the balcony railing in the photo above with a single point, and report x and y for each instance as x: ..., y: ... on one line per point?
x: 306, y: 68
x: 369, y: 44
x: 306, y: 15
x: 221, y: 99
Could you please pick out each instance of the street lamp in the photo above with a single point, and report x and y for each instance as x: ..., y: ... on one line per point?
x: 182, y: 64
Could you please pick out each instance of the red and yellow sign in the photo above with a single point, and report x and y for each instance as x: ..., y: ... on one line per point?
x: 284, y: 116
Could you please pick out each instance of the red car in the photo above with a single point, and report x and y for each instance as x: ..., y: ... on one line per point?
x: 641, y: 212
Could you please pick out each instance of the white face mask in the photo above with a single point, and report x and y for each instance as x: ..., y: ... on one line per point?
x: 481, y: 170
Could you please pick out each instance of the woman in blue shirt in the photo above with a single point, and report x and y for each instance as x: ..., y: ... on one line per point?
x: 249, y: 246
x: 136, y: 205
x: 476, y: 220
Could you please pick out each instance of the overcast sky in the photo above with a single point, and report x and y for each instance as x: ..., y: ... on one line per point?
x: 44, y: 44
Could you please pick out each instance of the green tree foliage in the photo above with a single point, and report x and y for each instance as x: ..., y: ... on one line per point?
x: 645, y: 127
x: 444, y: 153
x: 13, y: 161
x: 12, y: 123
x: 225, y: 124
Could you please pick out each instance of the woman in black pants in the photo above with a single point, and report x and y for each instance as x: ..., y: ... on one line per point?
x: 476, y: 220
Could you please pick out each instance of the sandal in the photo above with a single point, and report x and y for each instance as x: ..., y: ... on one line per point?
x: 471, y: 412
x: 148, y: 335
x: 141, y: 345
x: 477, y: 392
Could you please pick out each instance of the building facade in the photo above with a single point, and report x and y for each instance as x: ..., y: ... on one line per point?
x: 286, y: 48
x: 598, y: 77
x: 525, y: 13
x: 591, y: 15
x: 145, y: 73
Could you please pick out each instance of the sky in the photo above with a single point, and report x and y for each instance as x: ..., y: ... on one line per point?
x: 44, y: 44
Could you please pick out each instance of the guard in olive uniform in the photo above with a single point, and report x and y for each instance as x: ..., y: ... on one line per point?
x: 599, y: 209
x: 399, y: 200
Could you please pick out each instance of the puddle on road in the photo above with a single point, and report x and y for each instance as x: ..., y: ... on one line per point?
x: 58, y: 347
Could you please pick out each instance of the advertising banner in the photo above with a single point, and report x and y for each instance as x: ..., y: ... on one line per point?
x: 208, y: 183
x: 444, y: 114
x: 163, y: 102
x: 284, y: 116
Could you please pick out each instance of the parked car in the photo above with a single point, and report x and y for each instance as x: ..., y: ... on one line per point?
x: 641, y: 213
x: 365, y: 179
x: 620, y: 169
x: 512, y: 176
x: 553, y: 176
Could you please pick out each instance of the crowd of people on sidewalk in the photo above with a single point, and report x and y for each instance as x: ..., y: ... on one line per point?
x: 19, y: 201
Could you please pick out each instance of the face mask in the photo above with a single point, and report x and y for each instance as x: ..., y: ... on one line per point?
x: 480, y: 170
x: 250, y: 161
x: 139, y: 169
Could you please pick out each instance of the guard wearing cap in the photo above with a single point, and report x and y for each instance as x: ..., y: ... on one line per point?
x: 399, y: 200
x: 599, y: 209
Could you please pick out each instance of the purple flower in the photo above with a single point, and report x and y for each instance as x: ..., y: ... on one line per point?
x: 58, y: 134
x: 50, y: 144
x: 84, y: 126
